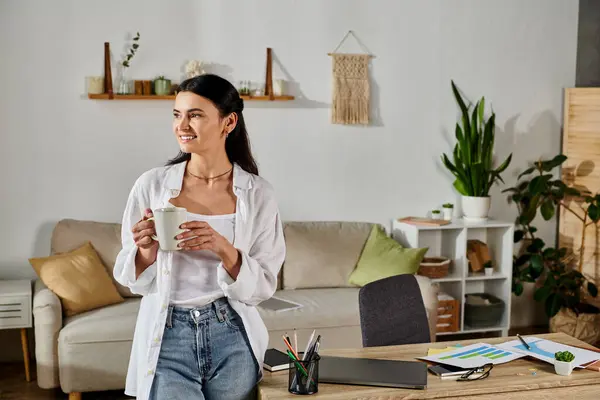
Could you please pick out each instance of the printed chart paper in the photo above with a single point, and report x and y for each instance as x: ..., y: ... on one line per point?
x: 544, y: 350
x: 474, y: 355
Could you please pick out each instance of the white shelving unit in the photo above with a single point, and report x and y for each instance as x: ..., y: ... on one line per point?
x: 451, y: 241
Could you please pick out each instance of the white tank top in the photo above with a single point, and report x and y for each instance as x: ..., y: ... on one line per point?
x: 194, y: 273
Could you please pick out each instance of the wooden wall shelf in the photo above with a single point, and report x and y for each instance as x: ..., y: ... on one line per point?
x: 105, y: 96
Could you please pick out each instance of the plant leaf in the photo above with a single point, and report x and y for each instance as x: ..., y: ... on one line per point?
x: 592, y: 289
x: 538, y: 184
x: 553, y: 305
x: 535, y: 246
x: 463, y: 107
x: 547, y: 209
x: 542, y: 293
x: 549, y: 253
x: 593, y: 212
x: 518, y: 289
x: 518, y: 236
x: 537, y: 264
x: 526, y: 172
x: 504, y: 165
x: 548, y: 166
x: 460, y: 187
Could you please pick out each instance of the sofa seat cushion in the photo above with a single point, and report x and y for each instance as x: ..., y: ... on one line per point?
x: 322, y: 308
x: 114, y: 323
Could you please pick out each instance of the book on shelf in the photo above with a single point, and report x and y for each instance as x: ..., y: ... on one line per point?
x: 423, y: 221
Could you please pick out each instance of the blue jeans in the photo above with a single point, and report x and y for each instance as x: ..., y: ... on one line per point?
x: 205, y: 354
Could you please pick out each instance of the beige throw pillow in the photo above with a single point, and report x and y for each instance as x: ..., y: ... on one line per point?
x: 69, y: 234
x: 78, y: 278
x: 322, y: 253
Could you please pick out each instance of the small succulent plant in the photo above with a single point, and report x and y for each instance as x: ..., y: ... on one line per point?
x: 565, y: 356
x: 448, y: 205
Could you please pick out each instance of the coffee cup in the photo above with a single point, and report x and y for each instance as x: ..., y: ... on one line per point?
x: 167, y: 222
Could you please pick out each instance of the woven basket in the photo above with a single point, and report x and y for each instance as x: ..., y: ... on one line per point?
x: 434, y: 267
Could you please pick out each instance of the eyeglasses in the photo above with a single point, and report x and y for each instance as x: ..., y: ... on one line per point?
x: 476, y: 373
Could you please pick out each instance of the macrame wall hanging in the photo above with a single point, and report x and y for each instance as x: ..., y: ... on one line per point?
x: 351, y: 88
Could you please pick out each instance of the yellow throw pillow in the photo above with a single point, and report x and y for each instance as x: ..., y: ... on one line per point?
x: 78, y: 278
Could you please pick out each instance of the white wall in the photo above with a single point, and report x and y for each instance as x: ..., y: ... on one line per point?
x: 66, y: 156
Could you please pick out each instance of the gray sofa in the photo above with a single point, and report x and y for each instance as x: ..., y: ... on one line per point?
x: 90, y: 351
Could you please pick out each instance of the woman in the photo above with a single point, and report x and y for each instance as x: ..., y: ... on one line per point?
x: 198, y: 333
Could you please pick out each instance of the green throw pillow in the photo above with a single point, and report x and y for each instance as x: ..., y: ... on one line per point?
x: 382, y: 257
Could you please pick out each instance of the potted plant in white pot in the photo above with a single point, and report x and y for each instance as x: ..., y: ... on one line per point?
x: 488, y: 268
x: 435, y: 214
x: 473, y: 154
x: 447, y: 209
x: 563, y: 362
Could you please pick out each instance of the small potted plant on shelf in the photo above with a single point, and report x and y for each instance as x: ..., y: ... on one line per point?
x: 448, y: 208
x: 488, y: 268
x: 162, y: 86
x: 436, y: 214
x: 563, y: 362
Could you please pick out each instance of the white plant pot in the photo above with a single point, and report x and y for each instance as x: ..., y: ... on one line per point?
x: 563, y: 367
x: 489, y: 271
x: 447, y: 213
x: 436, y: 216
x: 475, y: 209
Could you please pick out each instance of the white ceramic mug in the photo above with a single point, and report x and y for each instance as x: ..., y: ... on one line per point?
x: 166, y: 223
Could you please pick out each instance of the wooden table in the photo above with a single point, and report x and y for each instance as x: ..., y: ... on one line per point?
x: 15, y: 312
x: 504, y: 382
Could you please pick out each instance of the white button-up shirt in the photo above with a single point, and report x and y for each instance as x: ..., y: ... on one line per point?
x: 258, y: 237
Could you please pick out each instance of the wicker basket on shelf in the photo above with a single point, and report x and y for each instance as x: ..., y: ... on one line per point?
x: 434, y: 267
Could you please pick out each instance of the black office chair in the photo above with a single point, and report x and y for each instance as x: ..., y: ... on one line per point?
x: 392, y: 312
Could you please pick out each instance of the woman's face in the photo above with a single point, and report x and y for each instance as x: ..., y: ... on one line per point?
x: 198, y: 125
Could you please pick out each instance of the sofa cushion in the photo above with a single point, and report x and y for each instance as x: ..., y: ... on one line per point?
x: 383, y: 257
x: 69, y: 234
x: 78, y: 278
x: 322, y: 254
x: 113, y: 323
x: 322, y: 308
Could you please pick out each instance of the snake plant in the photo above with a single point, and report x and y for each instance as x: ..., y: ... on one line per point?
x: 473, y: 153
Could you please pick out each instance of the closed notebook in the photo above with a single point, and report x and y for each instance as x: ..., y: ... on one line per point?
x: 276, y: 360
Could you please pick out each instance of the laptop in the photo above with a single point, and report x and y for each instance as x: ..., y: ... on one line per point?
x: 372, y: 372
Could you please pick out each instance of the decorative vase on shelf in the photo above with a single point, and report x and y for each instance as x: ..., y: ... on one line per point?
x: 162, y: 86
x: 123, y: 87
x: 95, y: 84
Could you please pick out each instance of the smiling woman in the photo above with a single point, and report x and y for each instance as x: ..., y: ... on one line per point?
x: 198, y: 333
x: 208, y: 109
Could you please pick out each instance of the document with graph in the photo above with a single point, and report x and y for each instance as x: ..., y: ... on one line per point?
x: 544, y: 350
x: 474, y: 355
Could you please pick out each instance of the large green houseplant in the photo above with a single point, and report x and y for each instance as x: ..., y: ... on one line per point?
x: 472, y: 158
x: 557, y: 272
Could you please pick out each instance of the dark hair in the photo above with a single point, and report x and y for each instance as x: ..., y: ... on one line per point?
x: 227, y: 100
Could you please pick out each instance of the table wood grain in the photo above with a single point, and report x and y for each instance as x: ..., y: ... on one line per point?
x: 507, y: 381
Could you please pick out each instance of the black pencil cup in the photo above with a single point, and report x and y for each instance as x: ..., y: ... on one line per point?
x: 304, y: 376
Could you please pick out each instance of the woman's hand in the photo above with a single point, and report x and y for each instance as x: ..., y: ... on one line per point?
x: 147, y: 247
x: 201, y: 236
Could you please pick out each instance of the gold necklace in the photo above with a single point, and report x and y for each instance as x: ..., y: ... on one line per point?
x: 211, y: 177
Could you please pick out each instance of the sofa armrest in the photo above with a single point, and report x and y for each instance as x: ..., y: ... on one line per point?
x: 47, y: 318
x: 429, y: 291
